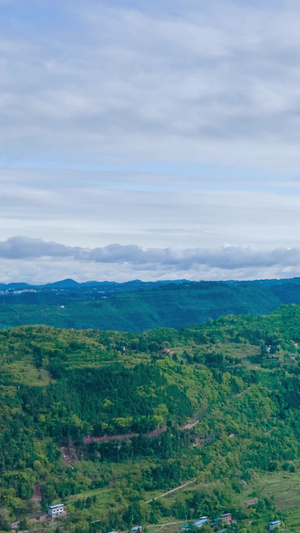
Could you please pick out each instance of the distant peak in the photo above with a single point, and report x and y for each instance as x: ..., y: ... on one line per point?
x: 65, y: 283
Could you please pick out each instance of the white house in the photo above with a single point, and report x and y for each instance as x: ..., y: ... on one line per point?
x: 56, y: 510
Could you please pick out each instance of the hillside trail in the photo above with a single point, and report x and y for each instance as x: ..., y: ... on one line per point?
x: 191, y: 425
x: 172, y: 490
x: 160, y: 526
x: 150, y: 434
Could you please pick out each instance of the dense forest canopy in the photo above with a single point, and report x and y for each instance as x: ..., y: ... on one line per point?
x: 106, y: 421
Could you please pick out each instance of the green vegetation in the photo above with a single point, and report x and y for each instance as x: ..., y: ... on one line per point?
x: 108, y: 422
x: 138, y: 306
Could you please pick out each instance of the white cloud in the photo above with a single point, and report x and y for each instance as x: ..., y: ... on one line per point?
x: 212, y: 84
x: 121, y: 262
x: 169, y: 125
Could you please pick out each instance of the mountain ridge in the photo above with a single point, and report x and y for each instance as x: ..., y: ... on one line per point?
x: 138, y: 306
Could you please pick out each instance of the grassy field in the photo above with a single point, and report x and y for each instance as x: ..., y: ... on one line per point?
x: 285, y: 489
x: 27, y: 374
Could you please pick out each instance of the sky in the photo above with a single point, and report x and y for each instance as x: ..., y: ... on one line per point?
x: 149, y: 139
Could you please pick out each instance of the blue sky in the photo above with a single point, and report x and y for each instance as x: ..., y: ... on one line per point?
x: 160, y: 130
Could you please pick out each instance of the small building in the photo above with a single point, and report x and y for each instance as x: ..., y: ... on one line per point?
x: 273, y: 525
x: 56, y: 510
x: 226, y: 517
x: 136, y: 529
x: 201, y: 522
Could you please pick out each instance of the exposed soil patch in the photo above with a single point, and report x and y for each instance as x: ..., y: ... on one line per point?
x: 37, y: 495
x: 69, y: 454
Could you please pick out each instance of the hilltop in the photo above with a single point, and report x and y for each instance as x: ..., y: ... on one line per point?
x: 107, y: 421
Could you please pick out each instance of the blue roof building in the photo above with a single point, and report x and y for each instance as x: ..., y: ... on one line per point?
x: 200, y: 523
x: 274, y: 524
x: 56, y: 510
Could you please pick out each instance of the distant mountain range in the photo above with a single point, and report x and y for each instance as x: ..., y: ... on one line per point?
x: 137, y: 305
x: 69, y: 283
x: 72, y: 284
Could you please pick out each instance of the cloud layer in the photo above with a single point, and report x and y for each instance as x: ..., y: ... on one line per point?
x: 163, y: 263
x: 171, y: 128
x: 208, y: 82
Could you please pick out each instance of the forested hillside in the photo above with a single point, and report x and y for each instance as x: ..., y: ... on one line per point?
x: 106, y: 422
x: 138, y: 306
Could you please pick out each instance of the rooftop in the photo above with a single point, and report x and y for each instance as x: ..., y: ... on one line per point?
x: 56, y: 505
x: 200, y: 522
